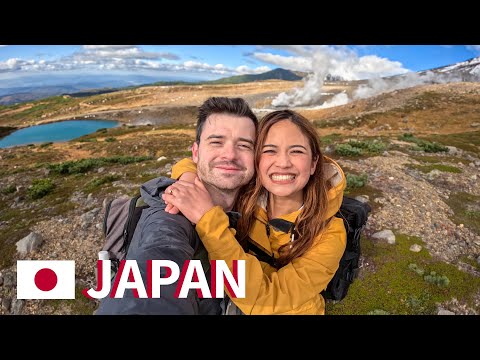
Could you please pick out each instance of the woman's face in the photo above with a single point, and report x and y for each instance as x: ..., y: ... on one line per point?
x: 286, y: 160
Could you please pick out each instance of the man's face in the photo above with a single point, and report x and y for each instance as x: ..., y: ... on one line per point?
x: 225, y: 157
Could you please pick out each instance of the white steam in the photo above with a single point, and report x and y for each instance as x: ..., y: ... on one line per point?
x: 347, y: 65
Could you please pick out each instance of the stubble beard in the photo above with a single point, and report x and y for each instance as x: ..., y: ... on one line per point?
x: 226, y: 183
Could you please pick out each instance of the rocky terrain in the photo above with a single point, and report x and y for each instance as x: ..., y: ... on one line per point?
x: 433, y: 197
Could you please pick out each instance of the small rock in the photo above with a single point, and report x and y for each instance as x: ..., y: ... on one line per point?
x: 415, y: 248
x: 362, y: 198
x: 162, y: 158
x: 29, y: 243
x: 6, y: 303
x: 17, y: 306
x: 445, y: 312
x: 386, y: 235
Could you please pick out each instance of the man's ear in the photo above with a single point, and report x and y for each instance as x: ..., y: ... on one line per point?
x: 195, y: 152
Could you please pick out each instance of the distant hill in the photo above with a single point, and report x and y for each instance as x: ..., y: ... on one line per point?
x: 468, y: 70
x: 276, y: 74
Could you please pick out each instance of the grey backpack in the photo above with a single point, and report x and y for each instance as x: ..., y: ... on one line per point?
x: 121, y: 218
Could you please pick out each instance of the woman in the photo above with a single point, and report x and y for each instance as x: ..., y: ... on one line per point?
x: 295, y: 183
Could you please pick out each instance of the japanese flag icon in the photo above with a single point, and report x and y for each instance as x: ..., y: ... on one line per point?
x: 45, y: 279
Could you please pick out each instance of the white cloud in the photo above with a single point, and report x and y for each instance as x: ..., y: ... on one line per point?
x: 475, y: 48
x: 123, y: 58
x: 338, y: 60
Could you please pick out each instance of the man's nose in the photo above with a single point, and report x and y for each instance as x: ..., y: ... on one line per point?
x: 229, y: 152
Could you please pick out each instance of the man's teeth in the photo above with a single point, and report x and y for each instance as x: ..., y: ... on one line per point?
x: 282, y: 177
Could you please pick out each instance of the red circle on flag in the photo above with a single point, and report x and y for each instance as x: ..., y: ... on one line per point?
x: 45, y: 279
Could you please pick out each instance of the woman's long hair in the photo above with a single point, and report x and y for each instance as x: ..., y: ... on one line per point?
x: 311, y: 221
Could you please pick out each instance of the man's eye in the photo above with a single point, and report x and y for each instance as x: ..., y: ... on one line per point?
x: 246, y: 146
x: 215, y: 143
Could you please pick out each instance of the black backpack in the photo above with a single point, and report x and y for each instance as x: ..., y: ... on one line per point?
x: 355, y: 215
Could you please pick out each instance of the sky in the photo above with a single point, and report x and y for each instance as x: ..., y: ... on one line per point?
x: 30, y: 65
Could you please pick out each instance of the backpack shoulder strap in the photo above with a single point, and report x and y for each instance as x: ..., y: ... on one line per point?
x: 137, y: 205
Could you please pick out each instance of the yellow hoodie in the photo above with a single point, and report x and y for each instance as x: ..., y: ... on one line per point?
x: 296, y: 287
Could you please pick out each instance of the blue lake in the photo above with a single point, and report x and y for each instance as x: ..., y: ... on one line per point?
x: 55, y: 132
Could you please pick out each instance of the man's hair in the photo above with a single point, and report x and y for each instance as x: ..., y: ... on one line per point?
x: 223, y: 105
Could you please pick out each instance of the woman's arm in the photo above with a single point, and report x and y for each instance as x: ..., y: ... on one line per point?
x: 185, y: 170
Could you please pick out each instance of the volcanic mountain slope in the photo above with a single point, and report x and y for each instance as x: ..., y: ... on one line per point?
x: 425, y: 109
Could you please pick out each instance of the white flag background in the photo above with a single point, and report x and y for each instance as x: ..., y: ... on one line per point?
x: 45, y: 279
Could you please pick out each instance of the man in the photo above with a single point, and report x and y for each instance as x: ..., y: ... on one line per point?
x: 224, y: 153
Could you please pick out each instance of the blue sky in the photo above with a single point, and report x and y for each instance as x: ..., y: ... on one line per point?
x: 22, y: 64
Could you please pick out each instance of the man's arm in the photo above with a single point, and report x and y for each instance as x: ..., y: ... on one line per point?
x: 161, y: 237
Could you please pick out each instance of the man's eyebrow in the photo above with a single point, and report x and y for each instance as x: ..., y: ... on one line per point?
x: 215, y: 137
x: 250, y: 141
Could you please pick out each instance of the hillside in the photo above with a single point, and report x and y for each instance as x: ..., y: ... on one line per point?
x: 276, y: 74
x: 10, y: 96
x: 413, y: 154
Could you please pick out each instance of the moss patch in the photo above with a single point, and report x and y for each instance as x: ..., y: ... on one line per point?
x: 466, y: 208
x: 439, y: 159
x: 439, y: 167
x: 469, y: 141
x: 388, y: 284
x: 78, y: 306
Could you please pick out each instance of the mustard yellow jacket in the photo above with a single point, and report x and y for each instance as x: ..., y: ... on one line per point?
x: 296, y: 287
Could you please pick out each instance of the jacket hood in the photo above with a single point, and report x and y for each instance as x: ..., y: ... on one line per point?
x: 338, y: 183
x: 152, y: 189
x: 334, y: 174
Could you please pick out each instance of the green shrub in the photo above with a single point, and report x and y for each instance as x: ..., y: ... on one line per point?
x: 10, y: 189
x: 422, y: 145
x: 356, y: 181
x: 110, y: 139
x: 100, y: 181
x: 415, y: 268
x: 347, y: 150
x: 440, y: 280
x: 40, y: 188
x: 432, y: 277
x: 85, y: 165
x: 430, y: 147
x: 407, y: 137
x: 46, y: 144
